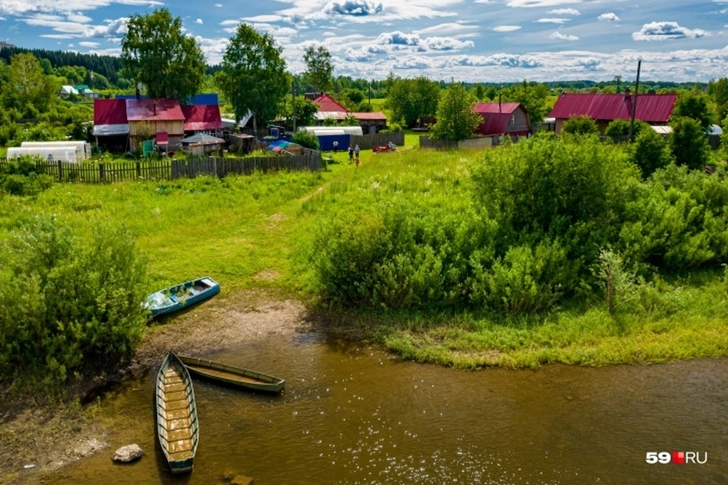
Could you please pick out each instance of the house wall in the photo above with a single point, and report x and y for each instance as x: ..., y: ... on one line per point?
x: 519, y: 122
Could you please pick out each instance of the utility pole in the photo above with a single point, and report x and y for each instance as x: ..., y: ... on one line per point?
x: 293, y: 103
x: 618, y: 78
x: 634, y: 102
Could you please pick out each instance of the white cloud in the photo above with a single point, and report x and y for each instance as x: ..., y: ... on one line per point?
x: 363, y: 11
x: 559, y: 36
x: 89, y: 44
x: 552, y: 21
x: 506, y: 28
x: 608, y: 17
x: 667, y: 31
x: 565, y: 11
x: 540, y: 3
x: 218, y: 5
x: 447, y: 28
x: 198, y: 21
x: 24, y: 7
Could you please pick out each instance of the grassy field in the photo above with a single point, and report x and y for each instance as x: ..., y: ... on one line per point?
x: 247, y: 232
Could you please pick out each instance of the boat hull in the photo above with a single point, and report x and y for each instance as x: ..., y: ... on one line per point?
x: 234, y: 376
x: 177, y: 425
x: 181, y: 296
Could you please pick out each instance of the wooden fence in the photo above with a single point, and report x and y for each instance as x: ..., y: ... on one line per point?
x: 170, y: 169
x: 368, y: 141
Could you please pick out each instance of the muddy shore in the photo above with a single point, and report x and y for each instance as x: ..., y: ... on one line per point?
x: 36, y: 440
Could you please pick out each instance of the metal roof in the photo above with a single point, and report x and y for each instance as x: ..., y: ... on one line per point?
x: 652, y: 108
x: 109, y: 112
x: 153, y: 110
x: 375, y: 116
x: 327, y: 103
x: 203, y: 139
x: 111, y: 130
x: 498, y: 108
x: 202, y: 118
x: 496, y: 117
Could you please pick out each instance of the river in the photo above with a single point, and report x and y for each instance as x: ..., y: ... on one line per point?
x: 354, y: 414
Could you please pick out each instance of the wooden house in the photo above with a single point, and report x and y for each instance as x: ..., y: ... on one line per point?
x: 654, y: 109
x: 329, y: 108
x: 502, y: 119
x: 149, y: 117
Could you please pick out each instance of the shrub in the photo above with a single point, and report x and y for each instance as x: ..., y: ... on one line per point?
x: 308, y: 140
x: 618, y: 130
x: 689, y: 144
x: 580, y: 125
x: 651, y: 152
x: 66, y: 306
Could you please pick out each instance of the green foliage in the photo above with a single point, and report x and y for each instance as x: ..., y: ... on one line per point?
x: 253, y: 75
x: 394, y: 127
x: 618, y: 130
x: 33, y: 91
x: 305, y: 110
x: 68, y: 305
x: 718, y: 91
x: 412, y: 99
x: 318, y: 68
x: 455, y: 117
x: 688, y: 143
x: 693, y: 104
x: 20, y: 177
x: 580, y: 125
x: 157, y: 53
x: 533, y: 98
x: 620, y: 284
x: 650, y: 152
x: 308, y: 140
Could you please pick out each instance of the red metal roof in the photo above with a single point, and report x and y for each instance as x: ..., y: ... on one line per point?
x: 153, y: 110
x: 652, y: 108
x: 202, y: 117
x: 110, y: 112
x: 376, y: 116
x: 327, y: 103
x: 507, y: 108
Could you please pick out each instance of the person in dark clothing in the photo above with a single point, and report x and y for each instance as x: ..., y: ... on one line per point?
x: 351, y: 154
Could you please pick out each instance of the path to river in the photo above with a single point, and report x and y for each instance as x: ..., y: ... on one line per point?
x: 355, y: 414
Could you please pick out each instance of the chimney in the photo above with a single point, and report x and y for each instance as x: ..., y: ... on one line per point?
x: 138, y: 95
x: 626, y: 93
x: 499, y: 102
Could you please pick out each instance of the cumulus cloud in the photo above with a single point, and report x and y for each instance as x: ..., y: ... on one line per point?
x: 447, y: 28
x: 539, y: 3
x: 608, y: 17
x: 559, y: 36
x: 565, y: 11
x: 356, y: 8
x: 401, y: 40
x: 666, y: 31
x: 24, y: 7
x: 218, y: 5
x: 361, y: 11
x: 198, y: 21
x: 89, y: 44
x: 506, y: 28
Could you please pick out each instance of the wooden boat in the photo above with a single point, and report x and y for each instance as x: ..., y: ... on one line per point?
x: 177, y: 426
x: 236, y: 376
x: 180, y: 296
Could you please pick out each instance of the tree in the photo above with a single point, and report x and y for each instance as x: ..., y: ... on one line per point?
x: 412, y: 99
x: 693, y: 104
x: 455, y: 117
x: 318, y: 68
x: 305, y: 110
x: 28, y: 89
x: 580, y: 125
x: 689, y: 143
x: 718, y: 90
x: 157, y: 53
x: 253, y: 75
x: 533, y: 98
x: 650, y: 152
x: 618, y: 130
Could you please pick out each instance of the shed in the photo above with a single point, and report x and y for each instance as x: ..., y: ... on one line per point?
x: 203, y: 117
x: 151, y: 116
x: 603, y: 108
x: 371, y: 122
x: 201, y: 143
x: 111, y: 126
x: 66, y: 91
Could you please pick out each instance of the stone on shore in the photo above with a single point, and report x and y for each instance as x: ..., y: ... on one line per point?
x: 128, y: 453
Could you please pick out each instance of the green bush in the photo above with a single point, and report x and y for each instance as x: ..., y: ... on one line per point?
x: 689, y: 144
x: 580, y: 125
x: 651, y: 152
x: 308, y: 140
x: 68, y: 305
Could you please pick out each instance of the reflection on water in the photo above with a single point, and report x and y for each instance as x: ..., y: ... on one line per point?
x: 357, y: 415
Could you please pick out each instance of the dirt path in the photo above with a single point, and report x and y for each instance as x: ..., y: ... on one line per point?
x: 47, y: 438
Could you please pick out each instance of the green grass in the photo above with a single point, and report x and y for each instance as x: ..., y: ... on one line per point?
x: 247, y: 232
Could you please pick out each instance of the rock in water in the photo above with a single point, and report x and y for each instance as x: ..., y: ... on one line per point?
x: 242, y: 480
x: 128, y: 453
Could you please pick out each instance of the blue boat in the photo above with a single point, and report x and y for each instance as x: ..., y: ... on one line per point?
x: 181, y: 296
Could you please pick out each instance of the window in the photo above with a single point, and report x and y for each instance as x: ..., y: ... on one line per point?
x: 513, y: 120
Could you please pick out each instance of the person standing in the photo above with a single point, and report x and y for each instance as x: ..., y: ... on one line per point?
x: 336, y: 146
x: 356, y: 155
x: 351, y: 154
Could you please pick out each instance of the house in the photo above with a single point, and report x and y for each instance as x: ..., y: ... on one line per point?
x: 155, y: 117
x: 502, y: 118
x: 330, y: 108
x: 111, y: 126
x: 654, y: 109
x: 203, y: 118
x: 66, y: 91
x: 85, y: 91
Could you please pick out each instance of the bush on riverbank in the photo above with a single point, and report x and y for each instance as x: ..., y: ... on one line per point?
x: 68, y: 305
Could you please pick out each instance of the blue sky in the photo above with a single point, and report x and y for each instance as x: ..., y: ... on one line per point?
x: 467, y: 40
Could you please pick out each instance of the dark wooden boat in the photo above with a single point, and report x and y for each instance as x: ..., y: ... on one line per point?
x: 181, y: 296
x: 177, y: 426
x: 236, y: 376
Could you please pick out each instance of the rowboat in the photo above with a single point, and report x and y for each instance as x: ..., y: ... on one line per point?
x: 180, y: 296
x: 236, y: 376
x: 177, y: 426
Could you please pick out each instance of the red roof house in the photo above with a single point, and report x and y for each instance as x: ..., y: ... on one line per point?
x: 152, y: 116
x: 202, y: 118
x: 110, y: 117
x: 502, y: 118
x: 654, y: 109
x: 327, y: 104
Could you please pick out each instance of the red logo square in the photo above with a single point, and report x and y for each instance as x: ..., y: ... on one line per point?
x: 678, y: 457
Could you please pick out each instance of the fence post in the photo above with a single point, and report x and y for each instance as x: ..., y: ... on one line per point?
x: 138, y: 169
x: 60, y: 171
x: 101, y: 171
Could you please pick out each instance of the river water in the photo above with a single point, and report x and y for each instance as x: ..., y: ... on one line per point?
x: 353, y: 414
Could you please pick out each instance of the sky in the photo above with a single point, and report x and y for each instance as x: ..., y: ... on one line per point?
x: 461, y: 40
